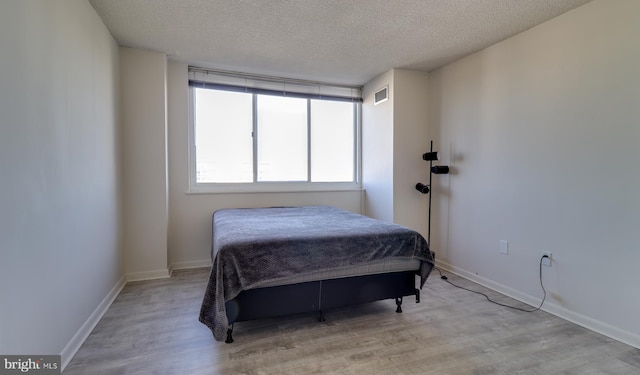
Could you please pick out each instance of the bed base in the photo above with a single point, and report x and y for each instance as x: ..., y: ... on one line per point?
x: 319, y: 296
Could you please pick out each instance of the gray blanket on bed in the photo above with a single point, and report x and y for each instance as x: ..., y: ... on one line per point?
x: 253, y: 246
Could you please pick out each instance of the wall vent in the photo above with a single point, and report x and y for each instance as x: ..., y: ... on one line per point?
x: 381, y: 95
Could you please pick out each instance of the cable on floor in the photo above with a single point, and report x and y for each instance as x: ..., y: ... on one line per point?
x: 445, y: 278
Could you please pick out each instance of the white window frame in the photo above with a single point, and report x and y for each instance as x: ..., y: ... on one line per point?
x: 196, y: 187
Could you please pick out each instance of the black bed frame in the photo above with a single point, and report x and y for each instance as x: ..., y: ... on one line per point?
x: 319, y: 296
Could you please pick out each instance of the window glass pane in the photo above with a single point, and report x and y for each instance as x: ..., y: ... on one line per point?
x: 223, y: 126
x: 282, y: 138
x: 332, y: 141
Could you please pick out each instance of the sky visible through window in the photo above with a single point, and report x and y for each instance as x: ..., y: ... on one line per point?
x: 224, y: 145
x: 284, y: 142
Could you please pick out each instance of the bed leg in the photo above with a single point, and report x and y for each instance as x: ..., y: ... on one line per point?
x: 399, y: 303
x: 229, y: 339
x: 417, y: 291
x: 321, y: 317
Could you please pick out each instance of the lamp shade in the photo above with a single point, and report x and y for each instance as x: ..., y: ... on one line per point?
x: 431, y: 155
x: 440, y: 169
x: 424, y: 189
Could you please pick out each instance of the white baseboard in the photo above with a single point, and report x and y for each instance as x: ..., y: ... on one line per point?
x: 191, y: 264
x: 85, y: 330
x: 149, y: 275
x: 559, y: 311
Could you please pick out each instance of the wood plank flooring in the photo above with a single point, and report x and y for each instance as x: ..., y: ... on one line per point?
x: 153, y: 328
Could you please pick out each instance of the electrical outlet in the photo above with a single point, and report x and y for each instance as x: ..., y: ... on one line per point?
x: 504, y: 247
x: 546, y: 261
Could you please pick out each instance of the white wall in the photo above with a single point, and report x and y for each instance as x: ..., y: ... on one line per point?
x: 144, y: 152
x: 542, y: 131
x: 394, y: 137
x: 190, y: 214
x: 59, y: 197
x: 410, y: 141
x: 377, y: 149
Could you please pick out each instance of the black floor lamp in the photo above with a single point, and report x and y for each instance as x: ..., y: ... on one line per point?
x: 425, y: 189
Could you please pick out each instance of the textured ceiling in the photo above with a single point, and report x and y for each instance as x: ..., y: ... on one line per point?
x: 337, y: 41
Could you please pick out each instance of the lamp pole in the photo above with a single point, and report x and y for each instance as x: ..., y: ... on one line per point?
x: 430, y: 194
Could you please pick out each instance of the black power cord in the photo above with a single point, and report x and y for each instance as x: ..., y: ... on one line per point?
x: 443, y: 277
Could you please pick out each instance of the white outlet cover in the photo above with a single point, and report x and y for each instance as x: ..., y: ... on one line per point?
x: 547, y: 261
x: 504, y: 247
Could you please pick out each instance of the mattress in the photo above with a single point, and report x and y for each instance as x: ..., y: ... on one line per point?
x: 385, y: 266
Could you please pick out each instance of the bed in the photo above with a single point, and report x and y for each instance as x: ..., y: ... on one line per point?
x: 286, y: 260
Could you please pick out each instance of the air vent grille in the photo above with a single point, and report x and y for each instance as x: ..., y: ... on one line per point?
x: 381, y: 95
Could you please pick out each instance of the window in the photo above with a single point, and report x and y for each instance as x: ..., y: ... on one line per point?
x: 282, y: 138
x: 248, y: 139
x: 223, y: 153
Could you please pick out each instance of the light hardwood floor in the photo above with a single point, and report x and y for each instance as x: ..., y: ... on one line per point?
x: 152, y: 328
